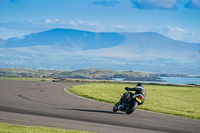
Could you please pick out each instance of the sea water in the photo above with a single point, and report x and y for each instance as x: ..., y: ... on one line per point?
x: 181, y: 80
x: 175, y: 80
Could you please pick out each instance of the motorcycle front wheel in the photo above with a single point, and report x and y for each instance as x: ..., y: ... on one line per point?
x: 132, y: 108
x: 115, y: 108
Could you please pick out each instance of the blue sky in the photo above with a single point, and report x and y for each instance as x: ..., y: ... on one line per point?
x: 177, y: 19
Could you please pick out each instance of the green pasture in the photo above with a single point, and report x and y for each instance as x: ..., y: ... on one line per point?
x: 8, y: 128
x: 26, y: 79
x: 173, y: 100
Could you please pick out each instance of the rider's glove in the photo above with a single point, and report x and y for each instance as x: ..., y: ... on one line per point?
x: 127, y: 88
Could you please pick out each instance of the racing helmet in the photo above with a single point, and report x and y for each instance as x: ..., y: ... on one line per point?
x: 140, y: 84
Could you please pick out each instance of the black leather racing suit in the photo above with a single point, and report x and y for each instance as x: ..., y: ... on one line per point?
x: 138, y: 90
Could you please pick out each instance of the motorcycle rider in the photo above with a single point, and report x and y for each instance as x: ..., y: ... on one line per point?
x: 122, y: 104
x: 138, y: 90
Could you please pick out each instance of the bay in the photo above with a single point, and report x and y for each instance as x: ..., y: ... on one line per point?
x: 181, y: 80
x: 174, y: 80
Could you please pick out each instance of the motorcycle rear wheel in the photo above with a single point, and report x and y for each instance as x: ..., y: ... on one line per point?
x: 132, y: 108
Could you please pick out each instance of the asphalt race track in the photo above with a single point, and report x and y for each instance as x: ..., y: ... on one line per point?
x: 48, y: 104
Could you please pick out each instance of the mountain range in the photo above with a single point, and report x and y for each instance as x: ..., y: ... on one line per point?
x: 65, y: 49
x: 82, y: 40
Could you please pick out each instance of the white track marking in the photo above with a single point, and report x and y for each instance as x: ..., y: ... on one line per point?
x: 65, y: 89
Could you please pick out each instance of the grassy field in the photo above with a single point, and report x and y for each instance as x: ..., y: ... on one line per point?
x: 27, y: 79
x: 8, y: 128
x: 173, y: 100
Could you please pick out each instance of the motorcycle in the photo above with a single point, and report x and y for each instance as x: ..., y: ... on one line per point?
x: 128, y: 103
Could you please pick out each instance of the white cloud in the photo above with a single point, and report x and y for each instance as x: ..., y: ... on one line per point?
x: 155, y: 4
x: 175, y: 29
x: 20, y: 28
x: 51, y: 20
x: 71, y: 22
x: 48, y: 21
x: 119, y: 26
x: 88, y: 23
x: 177, y: 33
x: 106, y: 3
x: 193, y: 4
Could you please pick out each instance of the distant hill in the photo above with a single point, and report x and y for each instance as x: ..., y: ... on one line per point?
x: 68, y: 49
x: 99, y: 74
x: 152, y: 47
x: 80, y: 40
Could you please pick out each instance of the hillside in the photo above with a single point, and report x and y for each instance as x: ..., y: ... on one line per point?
x: 150, y: 46
x: 99, y: 74
x: 79, y: 40
x: 68, y: 49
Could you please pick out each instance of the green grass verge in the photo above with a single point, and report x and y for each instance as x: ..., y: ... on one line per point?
x: 173, y: 100
x: 26, y: 79
x: 9, y: 128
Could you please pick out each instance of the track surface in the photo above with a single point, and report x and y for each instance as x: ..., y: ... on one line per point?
x: 47, y: 104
